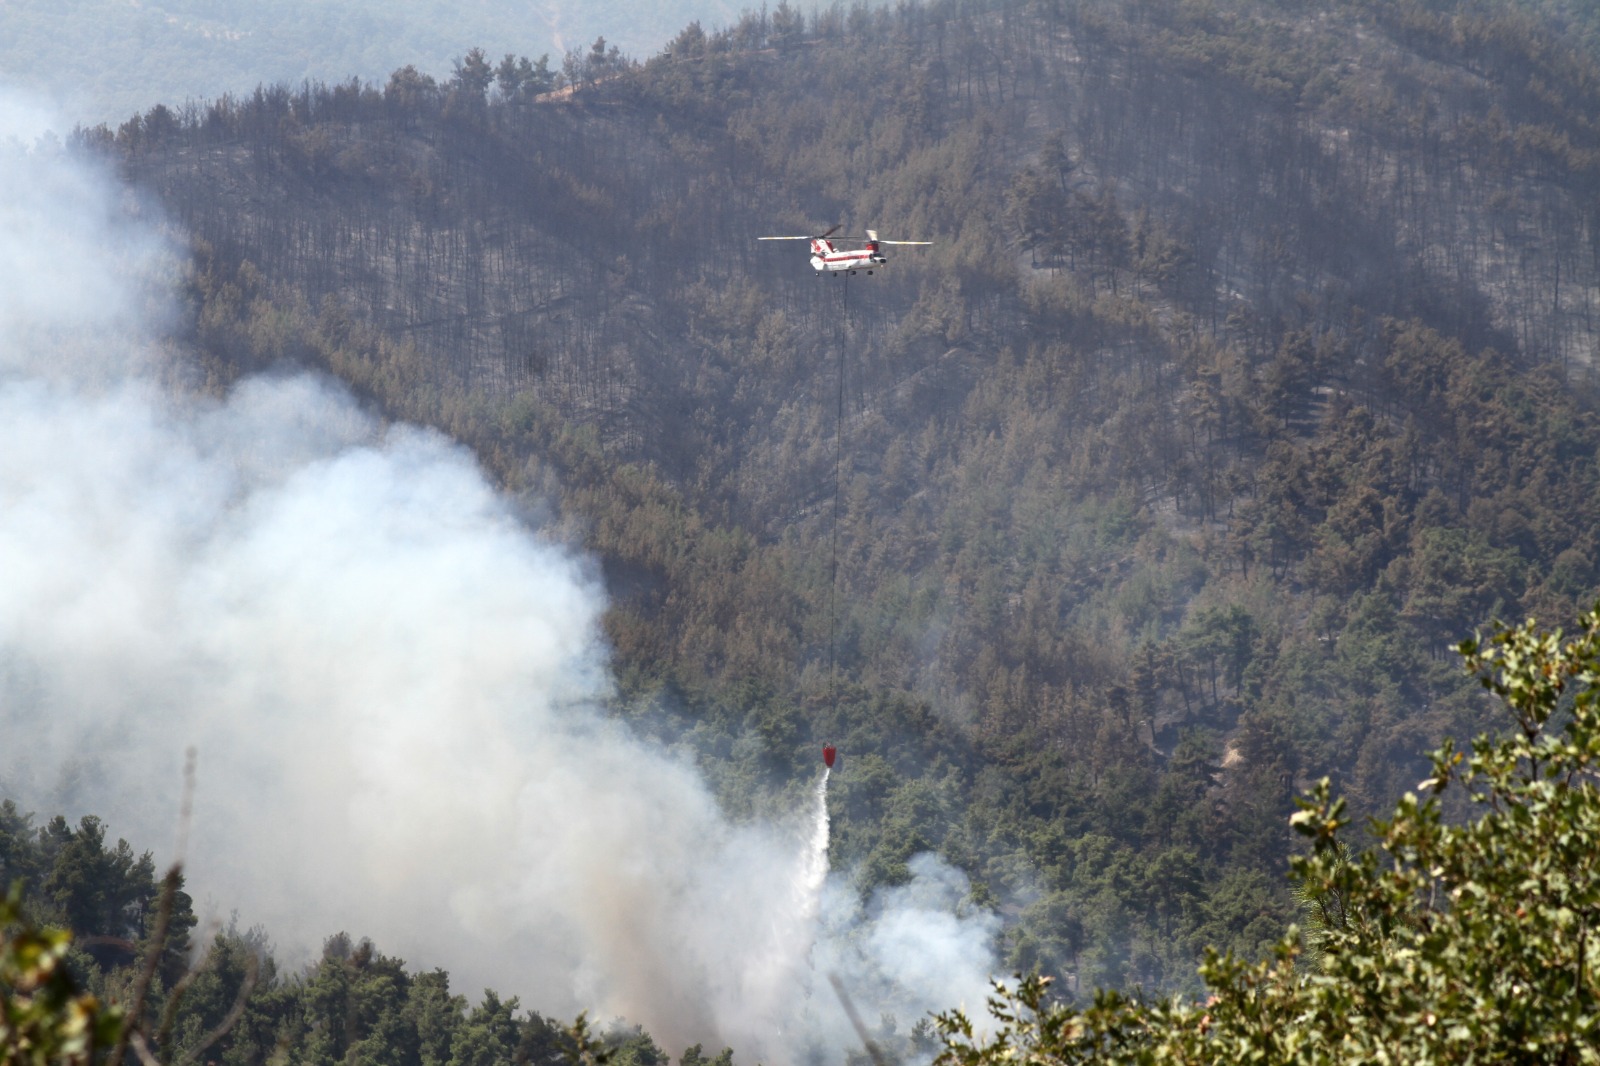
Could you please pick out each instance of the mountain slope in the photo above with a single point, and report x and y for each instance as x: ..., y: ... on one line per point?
x: 1248, y: 369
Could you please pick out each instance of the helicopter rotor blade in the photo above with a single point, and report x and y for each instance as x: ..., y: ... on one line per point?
x: 824, y: 235
x: 905, y: 242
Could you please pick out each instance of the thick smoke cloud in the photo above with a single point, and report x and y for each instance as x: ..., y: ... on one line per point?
x: 391, y: 684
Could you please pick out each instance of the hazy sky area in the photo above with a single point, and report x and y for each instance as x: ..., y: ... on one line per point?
x: 393, y: 686
x: 103, y: 60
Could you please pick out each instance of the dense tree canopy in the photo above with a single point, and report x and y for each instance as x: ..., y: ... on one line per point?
x: 77, y: 983
x: 1453, y: 941
x: 1456, y: 940
x: 1249, y: 369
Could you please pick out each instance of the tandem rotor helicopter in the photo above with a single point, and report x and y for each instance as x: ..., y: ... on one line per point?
x: 825, y: 258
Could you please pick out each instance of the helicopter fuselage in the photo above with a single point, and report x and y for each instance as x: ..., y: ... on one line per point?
x: 826, y: 258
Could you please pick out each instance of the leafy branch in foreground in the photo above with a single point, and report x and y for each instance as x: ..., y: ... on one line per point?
x: 1449, y: 943
x: 47, y: 1017
x: 44, y: 1017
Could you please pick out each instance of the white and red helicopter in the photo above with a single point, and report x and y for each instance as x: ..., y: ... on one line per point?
x: 825, y: 258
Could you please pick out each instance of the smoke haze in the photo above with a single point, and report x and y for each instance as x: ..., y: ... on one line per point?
x: 392, y: 685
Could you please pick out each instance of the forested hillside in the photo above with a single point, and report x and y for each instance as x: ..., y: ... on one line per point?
x: 354, y: 1004
x: 1251, y: 366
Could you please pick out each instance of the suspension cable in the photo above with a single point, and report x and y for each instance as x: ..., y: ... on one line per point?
x: 838, y: 463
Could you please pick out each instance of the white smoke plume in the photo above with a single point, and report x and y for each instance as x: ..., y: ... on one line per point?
x: 392, y: 685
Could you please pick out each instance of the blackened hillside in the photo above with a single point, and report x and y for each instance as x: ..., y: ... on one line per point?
x: 1251, y: 367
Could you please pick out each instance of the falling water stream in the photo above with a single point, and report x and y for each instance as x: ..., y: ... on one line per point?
x: 814, y: 870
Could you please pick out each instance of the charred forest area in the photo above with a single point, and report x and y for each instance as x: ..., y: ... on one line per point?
x: 1251, y: 368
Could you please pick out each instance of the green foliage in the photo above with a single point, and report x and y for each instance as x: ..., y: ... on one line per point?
x: 70, y: 995
x: 1452, y: 941
x: 45, y: 1015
